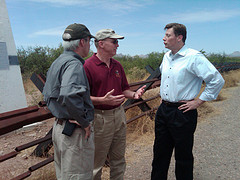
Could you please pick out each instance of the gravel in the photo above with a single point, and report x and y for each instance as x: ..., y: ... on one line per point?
x: 216, y: 148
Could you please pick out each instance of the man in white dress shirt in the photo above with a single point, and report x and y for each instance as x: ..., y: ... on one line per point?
x: 182, y: 72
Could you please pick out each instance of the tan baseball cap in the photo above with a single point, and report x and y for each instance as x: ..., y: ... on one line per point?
x: 107, y: 33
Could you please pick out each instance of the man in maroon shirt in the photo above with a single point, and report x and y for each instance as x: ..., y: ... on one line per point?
x: 109, y: 88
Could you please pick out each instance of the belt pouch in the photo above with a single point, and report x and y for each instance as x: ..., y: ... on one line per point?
x: 69, y: 128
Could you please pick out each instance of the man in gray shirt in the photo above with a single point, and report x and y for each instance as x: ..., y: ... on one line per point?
x: 67, y: 95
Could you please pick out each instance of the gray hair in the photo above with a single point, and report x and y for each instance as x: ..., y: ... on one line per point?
x: 71, y: 45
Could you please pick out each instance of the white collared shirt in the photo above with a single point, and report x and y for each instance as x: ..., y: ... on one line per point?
x: 182, y: 75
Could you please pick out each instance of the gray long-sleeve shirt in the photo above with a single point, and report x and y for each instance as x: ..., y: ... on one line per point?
x: 67, y: 91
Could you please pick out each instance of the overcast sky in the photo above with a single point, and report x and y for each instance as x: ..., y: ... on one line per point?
x: 212, y: 25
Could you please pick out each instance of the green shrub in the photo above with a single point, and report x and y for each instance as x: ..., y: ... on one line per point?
x: 38, y: 59
x: 136, y: 74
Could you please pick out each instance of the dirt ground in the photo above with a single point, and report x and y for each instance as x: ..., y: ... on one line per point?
x: 216, y: 147
x: 140, y: 137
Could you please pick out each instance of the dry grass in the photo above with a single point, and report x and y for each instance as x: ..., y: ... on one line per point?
x: 33, y: 95
x: 232, y: 78
x: 140, y: 131
x: 145, y: 125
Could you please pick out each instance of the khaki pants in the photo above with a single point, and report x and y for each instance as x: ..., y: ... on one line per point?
x: 110, y: 139
x: 74, y: 155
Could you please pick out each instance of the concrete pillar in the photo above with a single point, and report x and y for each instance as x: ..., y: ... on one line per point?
x: 12, y: 94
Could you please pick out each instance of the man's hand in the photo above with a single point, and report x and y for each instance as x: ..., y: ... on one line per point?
x: 108, y: 99
x: 87, y: 129
x: 139, y: 92
x: 113, y: 100
x: 190, y: 105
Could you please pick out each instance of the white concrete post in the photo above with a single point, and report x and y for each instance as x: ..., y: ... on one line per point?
x: 12, y: 94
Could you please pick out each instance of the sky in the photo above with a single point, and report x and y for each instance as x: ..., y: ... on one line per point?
x: 212, y: 25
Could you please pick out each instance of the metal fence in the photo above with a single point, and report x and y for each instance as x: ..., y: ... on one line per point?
x: 14, y: 120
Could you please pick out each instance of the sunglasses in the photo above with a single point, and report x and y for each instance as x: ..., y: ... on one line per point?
x: 114, y: 41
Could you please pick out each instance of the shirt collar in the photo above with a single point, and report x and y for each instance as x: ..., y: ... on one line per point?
x: 98, y: 62
x: 72, y: 53
x: 181, y: 52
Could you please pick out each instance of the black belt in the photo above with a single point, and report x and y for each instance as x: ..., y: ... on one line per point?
x: 176, y: 104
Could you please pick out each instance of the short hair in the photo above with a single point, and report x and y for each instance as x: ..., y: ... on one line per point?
x: 71, y: 45
x: 178, y: 29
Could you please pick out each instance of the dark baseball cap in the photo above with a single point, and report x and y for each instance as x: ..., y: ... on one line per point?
x: 76, y: 31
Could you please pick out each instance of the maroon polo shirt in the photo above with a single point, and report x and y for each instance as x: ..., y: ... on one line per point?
x: 103, y: 79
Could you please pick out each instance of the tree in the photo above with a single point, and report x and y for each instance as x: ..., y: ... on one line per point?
x: 37, y: 59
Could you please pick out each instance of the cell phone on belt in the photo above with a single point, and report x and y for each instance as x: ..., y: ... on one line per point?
x: 69, y: 128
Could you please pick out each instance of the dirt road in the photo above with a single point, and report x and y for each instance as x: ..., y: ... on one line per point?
x: 216, y: 149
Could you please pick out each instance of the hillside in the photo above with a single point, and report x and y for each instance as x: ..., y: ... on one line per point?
x: 235, y: 54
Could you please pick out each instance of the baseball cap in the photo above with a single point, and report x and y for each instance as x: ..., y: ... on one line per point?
x: 107, y: 33
x: 76, y: 31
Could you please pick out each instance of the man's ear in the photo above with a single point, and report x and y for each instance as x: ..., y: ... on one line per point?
x: 81, y: 42
x: 100, y: 44
x: 179, y: 38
